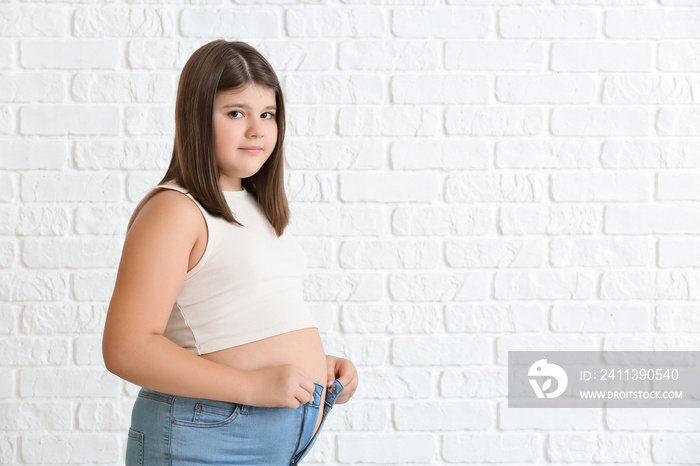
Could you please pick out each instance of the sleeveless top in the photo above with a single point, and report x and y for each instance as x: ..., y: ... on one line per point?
x: 246, y: 286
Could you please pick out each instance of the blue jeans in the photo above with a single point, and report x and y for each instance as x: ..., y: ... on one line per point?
x: 177, y: 431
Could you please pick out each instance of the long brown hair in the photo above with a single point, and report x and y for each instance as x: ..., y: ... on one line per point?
x: 214, y: 67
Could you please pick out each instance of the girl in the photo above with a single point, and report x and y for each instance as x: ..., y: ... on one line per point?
x: 207, y: 312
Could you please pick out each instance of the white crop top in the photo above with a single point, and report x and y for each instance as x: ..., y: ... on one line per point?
x: 246, y: 286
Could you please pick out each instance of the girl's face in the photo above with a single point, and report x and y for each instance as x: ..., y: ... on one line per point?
x: 245, y: 129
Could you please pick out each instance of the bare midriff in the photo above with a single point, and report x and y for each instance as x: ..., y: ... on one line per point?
x: 302, y: 348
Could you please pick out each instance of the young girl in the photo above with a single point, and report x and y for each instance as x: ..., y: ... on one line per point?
x: 207, y: 313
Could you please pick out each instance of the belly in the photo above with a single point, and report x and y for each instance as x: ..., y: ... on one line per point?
x: 303, y: 348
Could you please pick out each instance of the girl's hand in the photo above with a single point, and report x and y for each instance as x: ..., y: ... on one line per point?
x: 280, y: 386
x: 343, y: 370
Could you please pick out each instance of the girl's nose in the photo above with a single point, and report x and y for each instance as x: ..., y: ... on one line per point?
x: 255, y: 129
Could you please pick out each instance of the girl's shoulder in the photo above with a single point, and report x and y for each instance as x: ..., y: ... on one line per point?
x: 167, y: 203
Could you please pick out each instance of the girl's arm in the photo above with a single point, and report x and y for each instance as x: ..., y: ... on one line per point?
x: 153, y: 266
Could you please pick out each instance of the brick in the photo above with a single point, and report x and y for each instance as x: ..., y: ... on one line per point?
x: 395, y: 383
x: 32, y: 87
x: 118, y: 22
x: 663, y: 90
x: 71, y: 187
x: 69, y: 54
x: 647, y: 24
x: 648, y: 219
x: 389, y: 254
x: 442, y: 415
x: 548, y: 419
x: 439, y: 286
x: 7, y: 119
x: 650, y: 419
x: 75, y: 120
x: 501, y: 318
x: 545, y: 284
x: 326, y: 317
x: 157, y: 121
x: 480, y: 253
x: 51, y: 319
x: 101, y: 415
x: 430, y: 154
x: 677, y: 318
x: 8, y: 253
x: 7, y: 53
x: 65, y: 382
x: 678, y: 187
x: 546, y: 89
x: 594, y: 121
x: 310, y: 121
x: 320, y: 253
x: 567, y: 153
x: 343, y: 286
x: 649, y: 285
x: 474, y: 382
x: 493, y: 121
x: 537, y: 343
x: 679, y: 253
x: 310, y: 187
x: 33, y: 286
x: 388, y: 187
x: 88, y: 351
x: 401, y: 448
x: 298, y: 55
x: 364, y: 416
x: 28, y: 416
x: 44, y: 21
x: 640, y: 153
x: 159, y: 54
x: 440, y: 350
x: 363, y: 351
x: 494, y: 55
x: 122, y: 87
x: 377, y: 55
x: 335, y: 22
x: 495, y: 188
x: 258, y: 23
x: 69, y: 447
x: 598, y: 448
x: 7, y: 388
x: 441, y: 23
x: 547, y: 24
x: 678, y: 56
x: 387, y: 121
x: 440, y: 89
x: 92, y: 286
x: 333, y: 220
x: 683, y: 449
x: 334, y: 154
x: 29, y: 220
x: 24, y: 154
x: 30, y: 351
x: 71, y: 253
x: 641, y: 343
x: 491, y: 447
x: 442, y: 220
x: 587, y: 187
x: 602, y: 2
x: 8, y: 316
x: 389, y: 319
x: 601, y: 252
x: 138, y: 184
x: 589, y: 56
x: 102, y: 220
x: 600, y: 318
x: 334, y: 89
x: 678, y: 122
x: 123, y: 154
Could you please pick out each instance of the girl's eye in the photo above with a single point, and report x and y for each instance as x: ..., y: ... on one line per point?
x: 269, y: 116
x: 235, y: 113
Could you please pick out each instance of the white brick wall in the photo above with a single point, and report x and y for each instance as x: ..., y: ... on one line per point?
x: 467, y: 178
